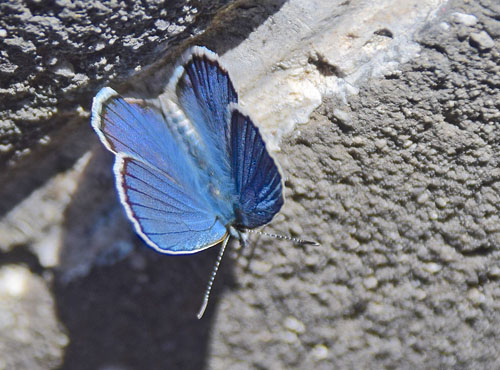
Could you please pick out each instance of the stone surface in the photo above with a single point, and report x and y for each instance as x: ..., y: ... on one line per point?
x: 55, y: 55
x: 30, y: 334
x: 322, y: 53
x: 482, y: 40
x: 394, y: 170
x: 466, y: 19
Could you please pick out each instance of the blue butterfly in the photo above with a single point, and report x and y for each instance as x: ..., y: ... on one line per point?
x: 191, y: 167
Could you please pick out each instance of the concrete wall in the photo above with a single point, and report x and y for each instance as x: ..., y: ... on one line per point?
x: 384, y: 118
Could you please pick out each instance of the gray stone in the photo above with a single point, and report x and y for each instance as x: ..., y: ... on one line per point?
x: 482, y: 40
x: 465, y: 19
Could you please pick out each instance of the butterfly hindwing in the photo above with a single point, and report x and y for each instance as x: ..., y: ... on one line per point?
x: 163, y: 213
x: 155, y: 176
x: 257, y: 178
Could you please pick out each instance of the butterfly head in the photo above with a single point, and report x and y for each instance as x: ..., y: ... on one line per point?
x: 240, y: 234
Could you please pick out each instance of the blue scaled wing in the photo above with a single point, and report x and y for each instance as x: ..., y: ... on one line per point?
x: 257, y: 178
x: 155, y: 176
x: 203, y: 89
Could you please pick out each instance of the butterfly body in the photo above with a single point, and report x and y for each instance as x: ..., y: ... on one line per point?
x: 210, y: 177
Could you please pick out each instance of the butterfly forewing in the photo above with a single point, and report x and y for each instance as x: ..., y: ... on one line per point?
x: 203, y: 90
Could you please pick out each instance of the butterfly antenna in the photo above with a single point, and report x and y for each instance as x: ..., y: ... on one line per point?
x: 212, y: 278
x: 284, y: 237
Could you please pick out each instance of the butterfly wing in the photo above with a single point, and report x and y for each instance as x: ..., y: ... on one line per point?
x: 155, y: 176
x: 203, y: 89
x: 257, y: 178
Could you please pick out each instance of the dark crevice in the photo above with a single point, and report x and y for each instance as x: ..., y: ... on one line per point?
x: 436, y: 47
x: 324, y: 67
x: 356, y: 309
x: 385, y: 32
x: 451, y: 116
x: 22, y: 255
x: 477, y: 252
x: 393, y: 76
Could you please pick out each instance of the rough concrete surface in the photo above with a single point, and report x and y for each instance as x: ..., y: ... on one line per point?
x: 389, y: 144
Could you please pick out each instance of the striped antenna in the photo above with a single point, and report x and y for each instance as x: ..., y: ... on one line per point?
x: 212, y: 278
x: 221, y: 253
x: 284, y: 237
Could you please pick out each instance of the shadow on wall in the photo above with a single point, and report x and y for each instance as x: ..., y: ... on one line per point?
x: 119, y: 318
x: 124, y: 305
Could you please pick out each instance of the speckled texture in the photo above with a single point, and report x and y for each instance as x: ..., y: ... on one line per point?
x: 399, y: 183
x: 405, y: 201
x: 54, y: 55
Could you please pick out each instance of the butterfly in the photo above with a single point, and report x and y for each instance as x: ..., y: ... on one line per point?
x: 191, y: 167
